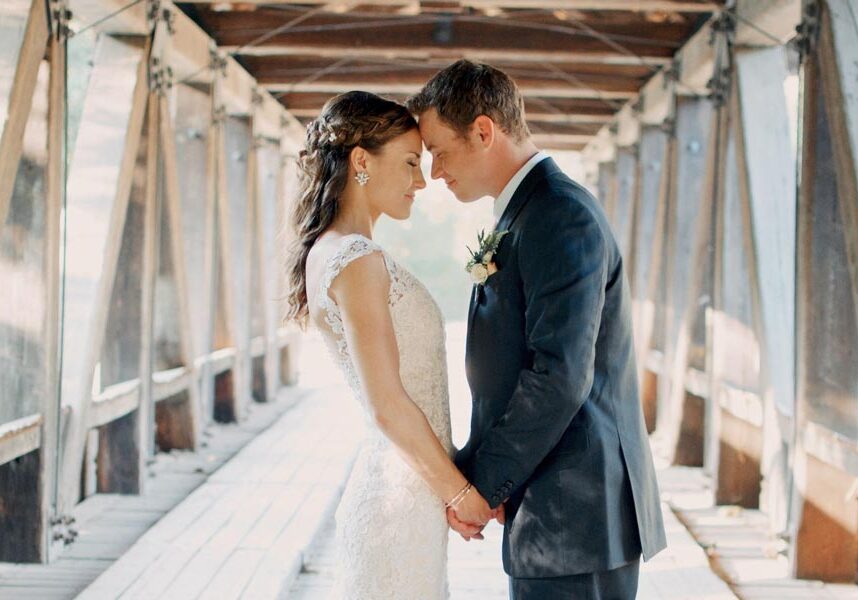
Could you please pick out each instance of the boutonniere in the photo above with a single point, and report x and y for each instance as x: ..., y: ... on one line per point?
x: 481, y: 266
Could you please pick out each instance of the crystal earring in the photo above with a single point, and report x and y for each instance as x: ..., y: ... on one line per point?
x: 362, y: 177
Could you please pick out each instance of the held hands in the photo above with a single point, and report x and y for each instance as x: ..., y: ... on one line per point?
x: 469, y: 516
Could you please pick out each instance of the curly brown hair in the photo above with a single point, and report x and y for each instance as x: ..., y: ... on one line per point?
x: 347, y: 121
x: 465, y: 90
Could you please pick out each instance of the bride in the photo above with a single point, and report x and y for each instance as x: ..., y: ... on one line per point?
x: 362, y: 160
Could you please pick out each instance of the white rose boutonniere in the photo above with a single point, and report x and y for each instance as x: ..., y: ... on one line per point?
x: 481, y: 266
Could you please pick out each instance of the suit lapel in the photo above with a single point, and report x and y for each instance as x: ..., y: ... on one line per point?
x: 540, y: 171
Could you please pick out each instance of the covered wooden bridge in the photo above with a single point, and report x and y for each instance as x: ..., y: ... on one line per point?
x: 147, y: 162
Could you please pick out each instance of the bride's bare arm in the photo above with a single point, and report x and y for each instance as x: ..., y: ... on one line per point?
x: 361, y: 292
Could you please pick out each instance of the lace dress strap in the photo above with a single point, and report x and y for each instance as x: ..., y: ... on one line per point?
x: 352, y: 247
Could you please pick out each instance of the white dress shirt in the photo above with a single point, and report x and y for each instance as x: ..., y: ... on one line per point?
x: 502, y: 201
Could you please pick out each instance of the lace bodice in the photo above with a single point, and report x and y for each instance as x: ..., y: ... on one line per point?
x: 417, y: 323
x: 391, y: 527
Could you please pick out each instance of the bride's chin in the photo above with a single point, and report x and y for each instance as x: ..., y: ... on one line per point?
x: 401, y: 215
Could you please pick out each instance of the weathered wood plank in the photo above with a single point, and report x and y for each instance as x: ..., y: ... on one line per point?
x: 22, y: 511
x: 114, y: 401
x: 837, y: 47
x: 166, y: 384
x: 20, y: 101
x: 20, y: 437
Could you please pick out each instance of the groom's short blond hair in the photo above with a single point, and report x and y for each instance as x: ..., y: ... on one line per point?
x: 465, y: 90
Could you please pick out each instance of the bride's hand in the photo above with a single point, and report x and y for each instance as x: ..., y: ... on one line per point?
x: 474, y: 510
x: 468, y: 532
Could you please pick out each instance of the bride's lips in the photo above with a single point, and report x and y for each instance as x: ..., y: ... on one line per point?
x: 451, y: 183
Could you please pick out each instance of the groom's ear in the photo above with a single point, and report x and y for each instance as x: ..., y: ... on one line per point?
x: 484, y: 130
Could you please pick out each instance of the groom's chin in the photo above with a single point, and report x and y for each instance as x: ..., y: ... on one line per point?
x: 468, y: 199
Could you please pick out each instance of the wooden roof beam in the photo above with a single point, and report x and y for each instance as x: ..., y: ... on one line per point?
x: 424, y: 52
x: 601, y: 5
x: 399, y: 37
x: 559, y: 90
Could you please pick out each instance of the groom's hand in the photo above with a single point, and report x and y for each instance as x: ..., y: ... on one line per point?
x: 500, y: 514
x: 466, y: 530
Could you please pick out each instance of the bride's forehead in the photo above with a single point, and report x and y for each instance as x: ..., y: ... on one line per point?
x: 410, y: 141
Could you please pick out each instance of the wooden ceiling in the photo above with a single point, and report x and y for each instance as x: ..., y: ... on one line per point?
x: 576, y: 61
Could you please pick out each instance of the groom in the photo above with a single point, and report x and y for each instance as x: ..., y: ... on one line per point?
x: 557, y: 439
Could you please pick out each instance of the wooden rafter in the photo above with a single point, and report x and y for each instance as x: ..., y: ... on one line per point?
x: 600, y: 5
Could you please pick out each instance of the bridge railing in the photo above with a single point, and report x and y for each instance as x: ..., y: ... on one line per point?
x: 144, y: 184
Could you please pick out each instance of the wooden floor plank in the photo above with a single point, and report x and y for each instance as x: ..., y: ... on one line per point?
x: 158, y: 576
x: 230, y: 581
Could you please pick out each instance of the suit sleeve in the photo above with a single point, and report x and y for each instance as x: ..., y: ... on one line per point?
x: 562, y: 257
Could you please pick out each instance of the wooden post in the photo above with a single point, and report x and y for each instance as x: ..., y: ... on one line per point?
x: 734, y: 446
x: 838, y: 46
x: 256, y: 268
x: 826, y: 456
x: 686, y: 426
x: 192, y: 125
x: 28, y: 215
x: 55, y: 201
x: 123, y: 443
x: 688, y: 224
x: 226, y: 383
x: 188, y: 414
x: 767, y: 176
x: 647, y: 226
x: 652, y: 306
x: 95, y: 220
x: 607, y: 187
x: 624, y: 199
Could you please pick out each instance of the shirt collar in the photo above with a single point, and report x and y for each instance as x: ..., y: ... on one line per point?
x: 502, y: 201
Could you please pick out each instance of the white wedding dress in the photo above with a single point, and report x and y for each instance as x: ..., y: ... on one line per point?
x: 391, y: 527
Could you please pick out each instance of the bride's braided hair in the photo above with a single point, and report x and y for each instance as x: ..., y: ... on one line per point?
x: 347, y: 121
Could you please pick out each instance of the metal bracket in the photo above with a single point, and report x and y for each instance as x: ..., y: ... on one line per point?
x: 160, y: 76
x: 260, y: 140
x: 724, y: 23
x: 719, y: 87
x: 256, y: 97
x: 156, y: 12
x: 672, y: 73
x: 807, y: 32
x: 217, y: 61
x: 60, y: 16
x: 62, y: 529
x: 218, y: 114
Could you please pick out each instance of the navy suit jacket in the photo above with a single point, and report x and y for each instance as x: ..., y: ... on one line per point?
x: 557, y: 430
